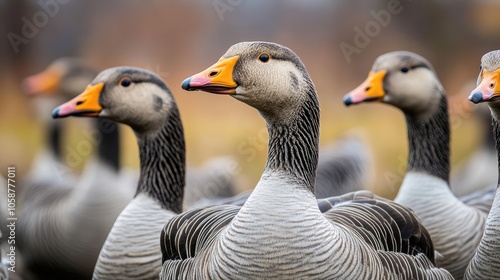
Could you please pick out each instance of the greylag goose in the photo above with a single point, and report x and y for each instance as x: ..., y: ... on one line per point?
x: 280, y: 232
x: 486, y: 262
x: 408, y: 81
x: 56, y: 214
x: 141, y: 100
x: 49, y: 166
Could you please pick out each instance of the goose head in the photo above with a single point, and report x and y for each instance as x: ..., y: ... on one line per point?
x: 264, y: 75
x: 62, y: 80
x: 403, y: 79
x: 133, y: 96
x: 488, y: 83
x: 64, y: 77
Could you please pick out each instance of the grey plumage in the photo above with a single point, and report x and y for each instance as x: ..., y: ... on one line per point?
x: 410, y: 83
x: 280, y: 231
x: 486, y: 262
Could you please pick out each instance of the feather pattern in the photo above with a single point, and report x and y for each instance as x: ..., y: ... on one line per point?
x: 129, y: 253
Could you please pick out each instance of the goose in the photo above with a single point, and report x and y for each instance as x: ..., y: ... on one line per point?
x: 486, y: 262
x: 141, y: 100
x: 280, y: 232
x: 408, y: 81
x: 56, y: 214
x: 49, y: 166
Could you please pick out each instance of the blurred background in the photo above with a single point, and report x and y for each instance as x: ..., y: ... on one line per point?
x: 179, y: 38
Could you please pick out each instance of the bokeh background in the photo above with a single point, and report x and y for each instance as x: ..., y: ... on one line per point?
x: 181, y: 37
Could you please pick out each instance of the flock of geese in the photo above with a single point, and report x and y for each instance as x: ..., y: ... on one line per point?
x: 307, y: 218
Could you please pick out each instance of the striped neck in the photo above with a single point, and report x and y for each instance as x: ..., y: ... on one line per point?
x: 429, y: 142
x: 162, y: 159
x: 293, y: 142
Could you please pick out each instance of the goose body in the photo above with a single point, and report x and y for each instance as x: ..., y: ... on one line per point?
x: 486, y: 262
x: 141, y: 100
x: 408, y: 81
x: 129, y: 251
x: 280, y: 232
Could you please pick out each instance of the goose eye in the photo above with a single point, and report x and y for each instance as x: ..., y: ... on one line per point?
x: 264, y: 57
x: 125, y: 82
x: 405, y: 69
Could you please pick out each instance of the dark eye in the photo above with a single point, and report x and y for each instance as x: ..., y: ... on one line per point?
x: 405, y: 69
x: 125, y: 82
x: 264, y: 57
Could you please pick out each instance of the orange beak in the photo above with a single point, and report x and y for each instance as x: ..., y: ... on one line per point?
x: 217, y: 78
x: 44, y: 83
x: 84, y: 105
x: 488, y: 89
x: 371, y: 89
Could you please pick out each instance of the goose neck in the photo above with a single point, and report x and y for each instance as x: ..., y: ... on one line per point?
x: 293, y: 145
x: 429, y: 142
x: 162, y: 161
